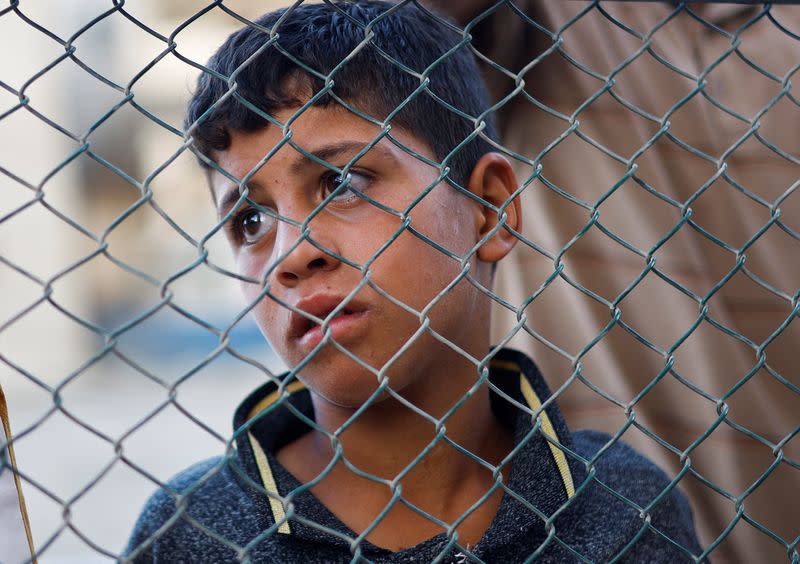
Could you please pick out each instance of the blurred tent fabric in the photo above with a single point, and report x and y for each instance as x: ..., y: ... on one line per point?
x: 709, y: 360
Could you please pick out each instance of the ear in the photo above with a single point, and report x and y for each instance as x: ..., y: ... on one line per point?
x: 493, y: 180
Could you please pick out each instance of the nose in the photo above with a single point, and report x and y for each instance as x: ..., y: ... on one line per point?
x: 301, y: 259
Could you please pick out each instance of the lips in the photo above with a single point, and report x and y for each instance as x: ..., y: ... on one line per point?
x: 320, y: 306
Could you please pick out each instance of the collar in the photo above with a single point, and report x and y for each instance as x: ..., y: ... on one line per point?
x: 543, y: 471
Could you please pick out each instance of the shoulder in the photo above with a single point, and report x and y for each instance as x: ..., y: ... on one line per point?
x: 626, y: 470
x: 625, y: 482
x: 618, y: 460
x: 180, y: 520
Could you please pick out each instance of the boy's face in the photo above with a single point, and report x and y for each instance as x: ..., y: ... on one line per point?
x: 409, y: 271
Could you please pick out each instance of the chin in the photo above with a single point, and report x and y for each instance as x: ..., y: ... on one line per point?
x: 346, y: 392
x: 340, y: 381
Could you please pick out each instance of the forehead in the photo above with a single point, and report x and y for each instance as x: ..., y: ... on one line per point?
x: 317, y: 131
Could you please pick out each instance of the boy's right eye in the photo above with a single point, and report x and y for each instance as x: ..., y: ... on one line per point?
x: 251, y: 225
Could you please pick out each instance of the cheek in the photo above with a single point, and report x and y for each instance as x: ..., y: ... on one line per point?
x: 266, y: 312
x: 250, y: 264
x: 449, y: 221
x: 413, y: 271
x: 448, y: 218
x: 418, y: 266
x: 250, y: 290
x: 273, y: 320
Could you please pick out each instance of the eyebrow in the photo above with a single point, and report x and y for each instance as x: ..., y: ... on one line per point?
x: 325, y: 153
x: 232, y: 196
x: 342, y: 148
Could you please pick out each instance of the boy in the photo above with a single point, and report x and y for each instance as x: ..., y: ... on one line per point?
x: 353, y: 169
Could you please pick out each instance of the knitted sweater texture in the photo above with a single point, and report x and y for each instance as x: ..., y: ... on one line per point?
x: 576, y: 497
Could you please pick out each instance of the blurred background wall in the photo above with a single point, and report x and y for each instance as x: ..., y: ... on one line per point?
x: 65, y: 291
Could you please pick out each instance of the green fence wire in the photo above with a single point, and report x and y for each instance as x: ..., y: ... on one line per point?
x: 776, y: 215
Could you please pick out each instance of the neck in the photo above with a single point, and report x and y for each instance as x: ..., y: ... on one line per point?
x: 390, y: 436
x: 413, y: 469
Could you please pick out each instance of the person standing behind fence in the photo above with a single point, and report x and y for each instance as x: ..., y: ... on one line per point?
x: 438, y: 485
x: 711, y: 360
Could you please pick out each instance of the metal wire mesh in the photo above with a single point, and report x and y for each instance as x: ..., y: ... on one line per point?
x: 745, y: 220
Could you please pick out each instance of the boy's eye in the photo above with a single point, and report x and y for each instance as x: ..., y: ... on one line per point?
x: 359, y: 183
x: 251, y: 225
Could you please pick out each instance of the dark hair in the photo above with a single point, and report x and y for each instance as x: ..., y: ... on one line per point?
x: 321, y: 36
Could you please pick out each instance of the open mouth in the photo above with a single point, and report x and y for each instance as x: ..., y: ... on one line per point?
x: 305, y: 324
x: 309, y: 331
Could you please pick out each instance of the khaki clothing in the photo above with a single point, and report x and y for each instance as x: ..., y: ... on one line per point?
x: 655, y: 263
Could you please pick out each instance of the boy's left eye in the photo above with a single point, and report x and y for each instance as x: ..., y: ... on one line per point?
x: 358, y: 183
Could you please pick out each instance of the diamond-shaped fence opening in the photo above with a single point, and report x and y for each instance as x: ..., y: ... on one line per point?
x: 653, y: 154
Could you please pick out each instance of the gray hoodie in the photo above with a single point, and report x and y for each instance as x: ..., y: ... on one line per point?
x: 561, y: 504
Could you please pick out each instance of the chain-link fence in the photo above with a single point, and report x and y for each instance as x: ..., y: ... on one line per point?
x: 654, y: 281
